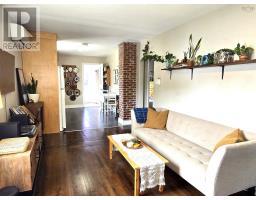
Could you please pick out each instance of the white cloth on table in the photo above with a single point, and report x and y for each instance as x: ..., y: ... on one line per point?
x: 151, y: 166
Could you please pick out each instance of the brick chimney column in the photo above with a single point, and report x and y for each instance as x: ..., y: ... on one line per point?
x: 127, y: 80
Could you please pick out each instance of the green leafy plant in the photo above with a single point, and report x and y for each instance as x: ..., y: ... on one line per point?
x: 150, y: 55
x: 169, y: 59
x: 192, y: 50
x: 243, y: 50
x: 32, y: 86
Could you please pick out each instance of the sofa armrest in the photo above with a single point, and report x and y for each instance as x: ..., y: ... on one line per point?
x: 134, y: 123
x: 232, y: 169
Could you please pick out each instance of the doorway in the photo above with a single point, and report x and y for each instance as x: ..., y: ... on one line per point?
x: 90, y: 115
x: 92, y: 84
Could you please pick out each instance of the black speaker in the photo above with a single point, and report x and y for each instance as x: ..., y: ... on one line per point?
x: 9, y: 130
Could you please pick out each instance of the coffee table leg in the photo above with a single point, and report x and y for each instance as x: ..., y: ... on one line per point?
x: 161, y: 188
x: 137, y: 182
x: 110, y: 150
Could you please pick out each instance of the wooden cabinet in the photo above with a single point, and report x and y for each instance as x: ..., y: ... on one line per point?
x: 20, y: 169
x: 43, y: 65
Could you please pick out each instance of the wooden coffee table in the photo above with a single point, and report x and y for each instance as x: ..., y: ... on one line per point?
x: 135, y: 166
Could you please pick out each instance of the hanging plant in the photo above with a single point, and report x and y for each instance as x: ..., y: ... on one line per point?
x: 150, y: 55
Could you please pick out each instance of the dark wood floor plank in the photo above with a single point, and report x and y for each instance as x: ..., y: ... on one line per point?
x: 89, y: 117
x: 77, y: 163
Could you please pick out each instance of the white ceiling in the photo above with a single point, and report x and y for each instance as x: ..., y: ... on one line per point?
x: 105, y: 26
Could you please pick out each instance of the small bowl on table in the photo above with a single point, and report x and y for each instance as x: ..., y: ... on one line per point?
x: 132, y: 144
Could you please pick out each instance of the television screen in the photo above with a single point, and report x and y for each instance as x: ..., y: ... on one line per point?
x: 7, y: 72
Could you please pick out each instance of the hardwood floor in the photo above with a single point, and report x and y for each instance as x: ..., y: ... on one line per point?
x: 89, y: 118
x: 77, y: 163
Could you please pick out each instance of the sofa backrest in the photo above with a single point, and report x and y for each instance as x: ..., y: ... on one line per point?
x: 204, y: 133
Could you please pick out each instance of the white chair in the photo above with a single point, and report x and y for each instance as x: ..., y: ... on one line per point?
x: 102, y: 100
x: 111, y: 103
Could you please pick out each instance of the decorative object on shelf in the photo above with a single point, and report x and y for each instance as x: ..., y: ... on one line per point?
x: 192, y: 50
x: 71, y: 80
x: 224, y: 56
x: 169, y: 59
x: 185, y: 58
x: 190, y: 63
x: 243, y: 52
x: 198, y: 60
x: 207, y: 59
x: 32, y: 89
x: 150, y: 55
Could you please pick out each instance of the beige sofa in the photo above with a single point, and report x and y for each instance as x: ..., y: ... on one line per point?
x: 188, y: 144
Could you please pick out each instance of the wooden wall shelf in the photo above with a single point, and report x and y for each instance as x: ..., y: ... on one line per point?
x: 222, y: 65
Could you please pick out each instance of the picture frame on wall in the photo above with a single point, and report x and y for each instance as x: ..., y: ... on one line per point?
x: 23, y: 95
x: 116, y: 75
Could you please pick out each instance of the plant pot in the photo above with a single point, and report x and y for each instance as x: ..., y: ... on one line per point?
x: 33, y: 97
x: 168, y: 65
x: 243, y: 57
x: 190, y: 63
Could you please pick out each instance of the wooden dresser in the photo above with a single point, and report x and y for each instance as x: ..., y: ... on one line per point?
x: 20, y: 169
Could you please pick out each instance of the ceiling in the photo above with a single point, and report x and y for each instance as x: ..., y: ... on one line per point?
x: 103, y: 27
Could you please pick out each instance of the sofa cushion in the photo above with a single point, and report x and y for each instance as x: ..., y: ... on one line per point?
x: 186, y: 158
x: 232, y: 138
x: 156, y: 119
x: 198, y: 131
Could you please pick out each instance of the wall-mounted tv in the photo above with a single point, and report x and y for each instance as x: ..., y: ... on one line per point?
x: 23, y: 95
x: 7, y: 72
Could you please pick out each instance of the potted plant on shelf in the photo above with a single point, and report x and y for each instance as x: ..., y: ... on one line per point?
x: 32, y: 89
x: 192, y: 50
x: 169, y: 59
x: 150, y: 55
x: 243, y: 52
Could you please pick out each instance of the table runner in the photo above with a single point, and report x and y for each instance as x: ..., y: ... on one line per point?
x: 151, y: 166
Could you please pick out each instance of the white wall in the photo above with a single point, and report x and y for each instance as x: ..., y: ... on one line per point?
x: 113, y: 61
x: 78, y: 61
x: 12, y: 97
x: 231, y: 101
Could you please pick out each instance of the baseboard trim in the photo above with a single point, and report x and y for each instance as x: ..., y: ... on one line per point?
x: 74, y: 106
x: 124, y: 122
x: 80, y: 106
